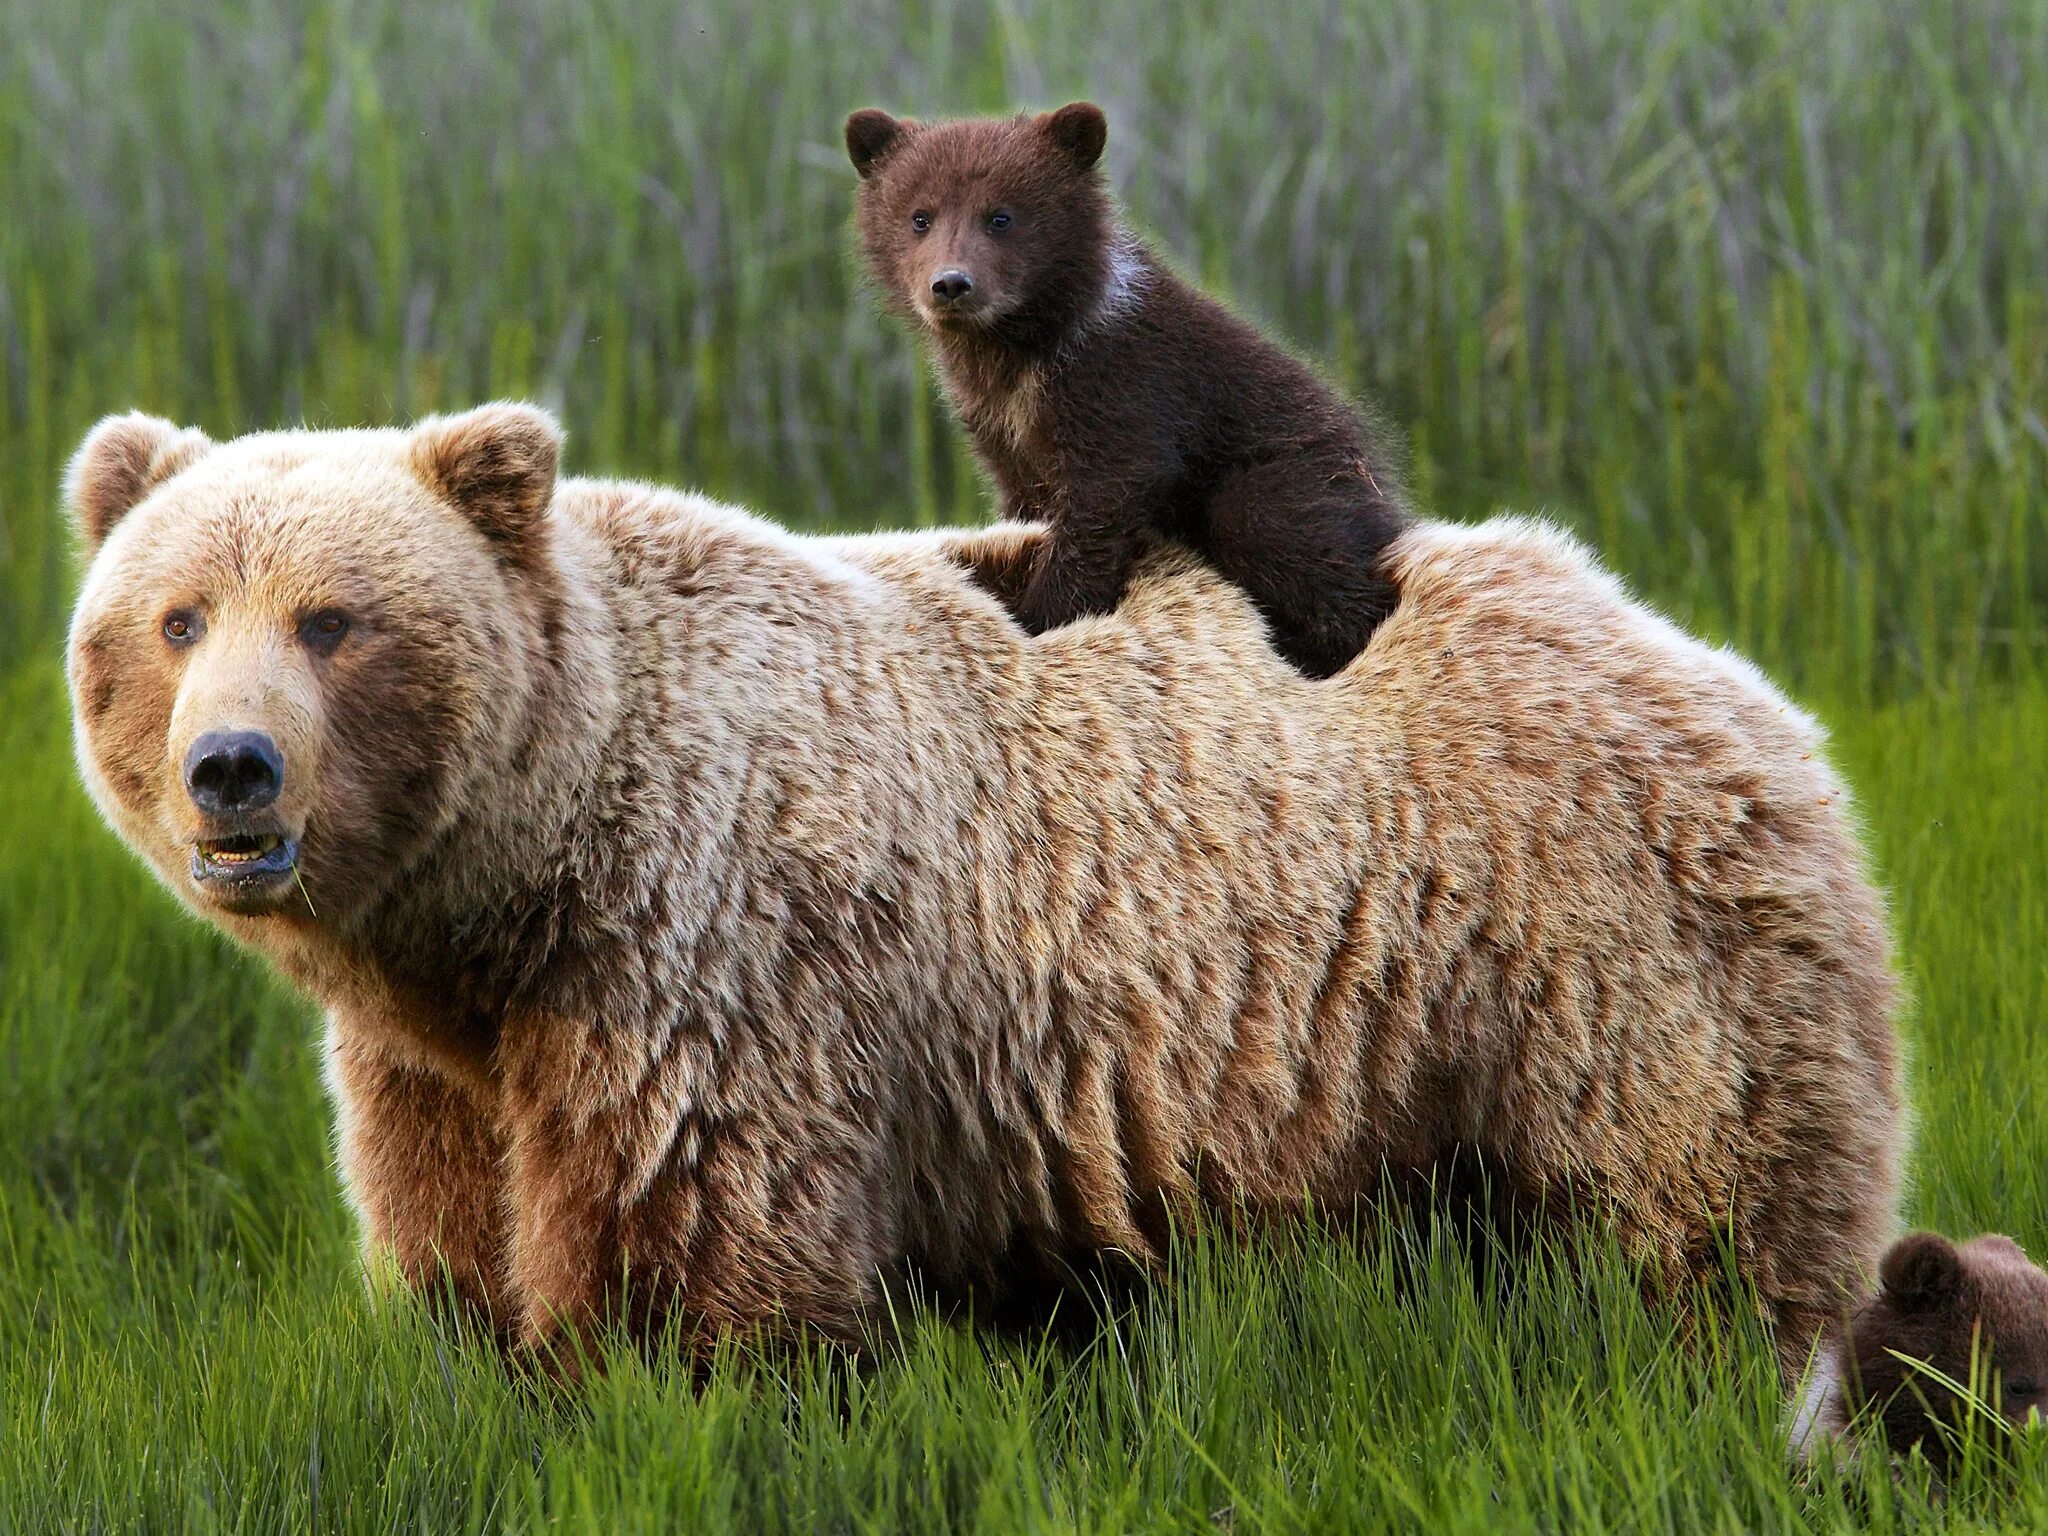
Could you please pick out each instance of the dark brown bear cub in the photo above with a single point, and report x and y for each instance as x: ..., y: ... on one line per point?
x: 1940, y: 1302
x: 1109, y: 399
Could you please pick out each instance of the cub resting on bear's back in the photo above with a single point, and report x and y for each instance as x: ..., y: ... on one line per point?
x: 1110, y: 399
x: 752, y: 913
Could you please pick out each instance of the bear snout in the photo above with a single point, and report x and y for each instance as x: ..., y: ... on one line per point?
x: 231, y: 772
x: 951, y: 284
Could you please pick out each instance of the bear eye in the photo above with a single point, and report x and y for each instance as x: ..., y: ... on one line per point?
x: 999, y: 220
x: 181, y: 627
x: 2021, y: 1386
x: 322, y: 631
x: 920, y: 221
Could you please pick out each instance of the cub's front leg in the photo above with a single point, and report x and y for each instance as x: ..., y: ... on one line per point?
x: 422, y: 1161
x: 1084, y: 560
x: 1000, y: 558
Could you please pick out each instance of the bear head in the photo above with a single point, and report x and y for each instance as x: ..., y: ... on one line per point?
x: 999, y: 227
x: 1973, y: 1314
x: 294, y: 653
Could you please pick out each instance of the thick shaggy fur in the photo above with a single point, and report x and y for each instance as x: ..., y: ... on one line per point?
x: 751, y: 914
x: 1113, y: 401
x: 1973, y: 1314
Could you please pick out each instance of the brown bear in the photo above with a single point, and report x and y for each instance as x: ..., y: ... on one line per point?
x: 1110, y: 399
x: 1972, y: 1316
x: 712, y: 921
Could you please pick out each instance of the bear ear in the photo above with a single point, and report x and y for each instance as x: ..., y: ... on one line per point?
x: 1080, y: 130
x: 1998, y: 1245
x: 1922, y: 1270
x: 870, y: 135
x: 121, y: 461
x: 497, y: 464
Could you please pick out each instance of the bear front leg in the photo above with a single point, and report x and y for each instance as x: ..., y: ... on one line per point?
x: 640, y: 1207
x: 1000, y: 559
x: 422, y: 1161
x: 1084, y: 562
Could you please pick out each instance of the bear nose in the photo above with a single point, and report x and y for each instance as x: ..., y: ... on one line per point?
x: 228, y: 771
x: 951, y: 284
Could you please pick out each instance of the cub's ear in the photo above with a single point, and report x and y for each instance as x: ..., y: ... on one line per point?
x: 1080, y: 130
x: 1921, y: 1271
x: 496, y: 464
x: 121, y: 461
x: 870, y: 135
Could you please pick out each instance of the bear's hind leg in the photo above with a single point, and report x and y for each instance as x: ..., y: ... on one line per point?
x: 1304, y: 538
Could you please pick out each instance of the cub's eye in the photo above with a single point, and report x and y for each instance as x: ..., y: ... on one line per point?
x: 322, y: 631
x: 181, y: 627
x: 920, y: 221
x: 999, y: 220
x: 2022, y: 1387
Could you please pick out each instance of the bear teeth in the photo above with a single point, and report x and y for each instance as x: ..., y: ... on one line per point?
x: 239, y: 850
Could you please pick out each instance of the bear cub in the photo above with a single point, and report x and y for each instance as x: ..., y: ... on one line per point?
x: 1939, y: 1301
x: 1109, y: 399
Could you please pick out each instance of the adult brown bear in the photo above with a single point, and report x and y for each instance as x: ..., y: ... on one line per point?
x: 743, y: 914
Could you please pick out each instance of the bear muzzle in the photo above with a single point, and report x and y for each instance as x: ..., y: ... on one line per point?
x: 952, y: 297
x: 233, y: 779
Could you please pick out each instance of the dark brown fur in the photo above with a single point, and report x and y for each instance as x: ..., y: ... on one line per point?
x: 1110, y: 399
x: 1979, y: 1305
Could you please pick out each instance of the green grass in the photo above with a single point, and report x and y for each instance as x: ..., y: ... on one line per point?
x: 186, y: 1343
x: 1755, y: 295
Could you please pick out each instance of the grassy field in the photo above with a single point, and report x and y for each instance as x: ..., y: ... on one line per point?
x: 1756, y: 296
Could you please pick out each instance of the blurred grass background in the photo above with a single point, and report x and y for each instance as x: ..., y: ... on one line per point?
x: 1756, y: 296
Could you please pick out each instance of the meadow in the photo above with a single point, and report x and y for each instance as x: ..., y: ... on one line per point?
x: 1755, y: 296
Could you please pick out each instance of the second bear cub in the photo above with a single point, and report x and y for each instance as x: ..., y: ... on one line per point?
x: 1109, y: 399
x: 1946, y: 1313
x: 1955, y: 1307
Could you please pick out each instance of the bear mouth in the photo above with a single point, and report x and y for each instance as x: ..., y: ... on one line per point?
x: 241, y: 861
x: 969, y: 314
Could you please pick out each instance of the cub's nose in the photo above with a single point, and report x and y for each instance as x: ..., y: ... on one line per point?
x: 951, y: 285
x: 229, y: 771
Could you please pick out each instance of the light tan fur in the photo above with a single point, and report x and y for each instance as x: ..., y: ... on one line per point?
x: 1015, y: 412
x: 774, y: 912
